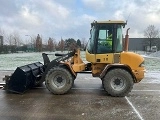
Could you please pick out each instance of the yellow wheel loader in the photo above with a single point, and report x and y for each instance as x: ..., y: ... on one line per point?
x: 108, y: 58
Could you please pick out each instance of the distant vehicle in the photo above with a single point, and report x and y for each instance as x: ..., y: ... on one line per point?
x: 154, y: 49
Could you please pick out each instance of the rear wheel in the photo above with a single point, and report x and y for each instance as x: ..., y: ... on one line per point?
x: 58, y: 80
x: 118, y: 82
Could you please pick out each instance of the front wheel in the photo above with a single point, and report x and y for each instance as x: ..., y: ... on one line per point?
x: 118, y: 82
x: 59, y: 80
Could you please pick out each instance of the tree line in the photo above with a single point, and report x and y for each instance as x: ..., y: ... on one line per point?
x: 14, y: 43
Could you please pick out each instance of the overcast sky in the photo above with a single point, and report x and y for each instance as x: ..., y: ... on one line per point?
x: 72, y: 18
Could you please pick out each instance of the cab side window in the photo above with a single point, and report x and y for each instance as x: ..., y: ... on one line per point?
x: 104, y: 41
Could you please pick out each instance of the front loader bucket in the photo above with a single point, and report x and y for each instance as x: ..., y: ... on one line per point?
x: 24, y: 77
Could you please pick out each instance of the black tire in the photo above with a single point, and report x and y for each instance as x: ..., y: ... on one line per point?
x: 103, y: 84
x: 74, y: 78
x: 58, y: 80
x: 118, y: 82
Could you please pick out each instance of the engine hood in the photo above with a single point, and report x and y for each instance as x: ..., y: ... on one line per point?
x: 132, y: 59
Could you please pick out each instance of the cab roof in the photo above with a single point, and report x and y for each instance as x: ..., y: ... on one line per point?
x: 111, y: 21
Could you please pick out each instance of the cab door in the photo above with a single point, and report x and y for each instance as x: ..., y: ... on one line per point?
x: 104, y: 52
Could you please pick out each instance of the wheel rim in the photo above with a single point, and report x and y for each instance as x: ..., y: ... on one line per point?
x: 118, y: 83
x: 59, y: 81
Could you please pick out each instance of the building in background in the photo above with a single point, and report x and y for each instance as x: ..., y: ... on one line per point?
x: 1, y: 40
x: 1, y: 44
x: 142, y: 44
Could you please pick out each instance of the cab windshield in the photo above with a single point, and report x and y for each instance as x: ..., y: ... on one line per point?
x: 90, y: 45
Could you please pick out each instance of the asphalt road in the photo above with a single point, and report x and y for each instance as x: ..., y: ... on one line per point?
x: 85, y: 101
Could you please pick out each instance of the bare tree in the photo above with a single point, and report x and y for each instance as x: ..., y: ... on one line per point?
x: 61, y: 45
x: 9, y: 39
x: 151, y: 33
x: 16, y: 39
x: 84, y: 43
x: 2, y: 32
x: 33, y: 42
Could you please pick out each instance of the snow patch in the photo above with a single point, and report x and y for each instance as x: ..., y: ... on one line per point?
x: 155, y: 54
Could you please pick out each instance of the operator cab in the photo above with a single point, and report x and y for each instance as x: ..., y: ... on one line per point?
x: 106, y: 37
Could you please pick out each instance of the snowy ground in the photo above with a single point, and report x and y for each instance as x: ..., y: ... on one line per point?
x: 12, y: 61
x: 152, y: 61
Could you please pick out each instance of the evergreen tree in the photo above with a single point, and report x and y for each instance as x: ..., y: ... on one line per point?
x: 79, y: 43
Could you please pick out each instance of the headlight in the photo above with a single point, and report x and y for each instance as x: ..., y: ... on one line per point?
x: 142, y: 64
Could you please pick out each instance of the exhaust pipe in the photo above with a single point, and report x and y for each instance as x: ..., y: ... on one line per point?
x: 126, y: 42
